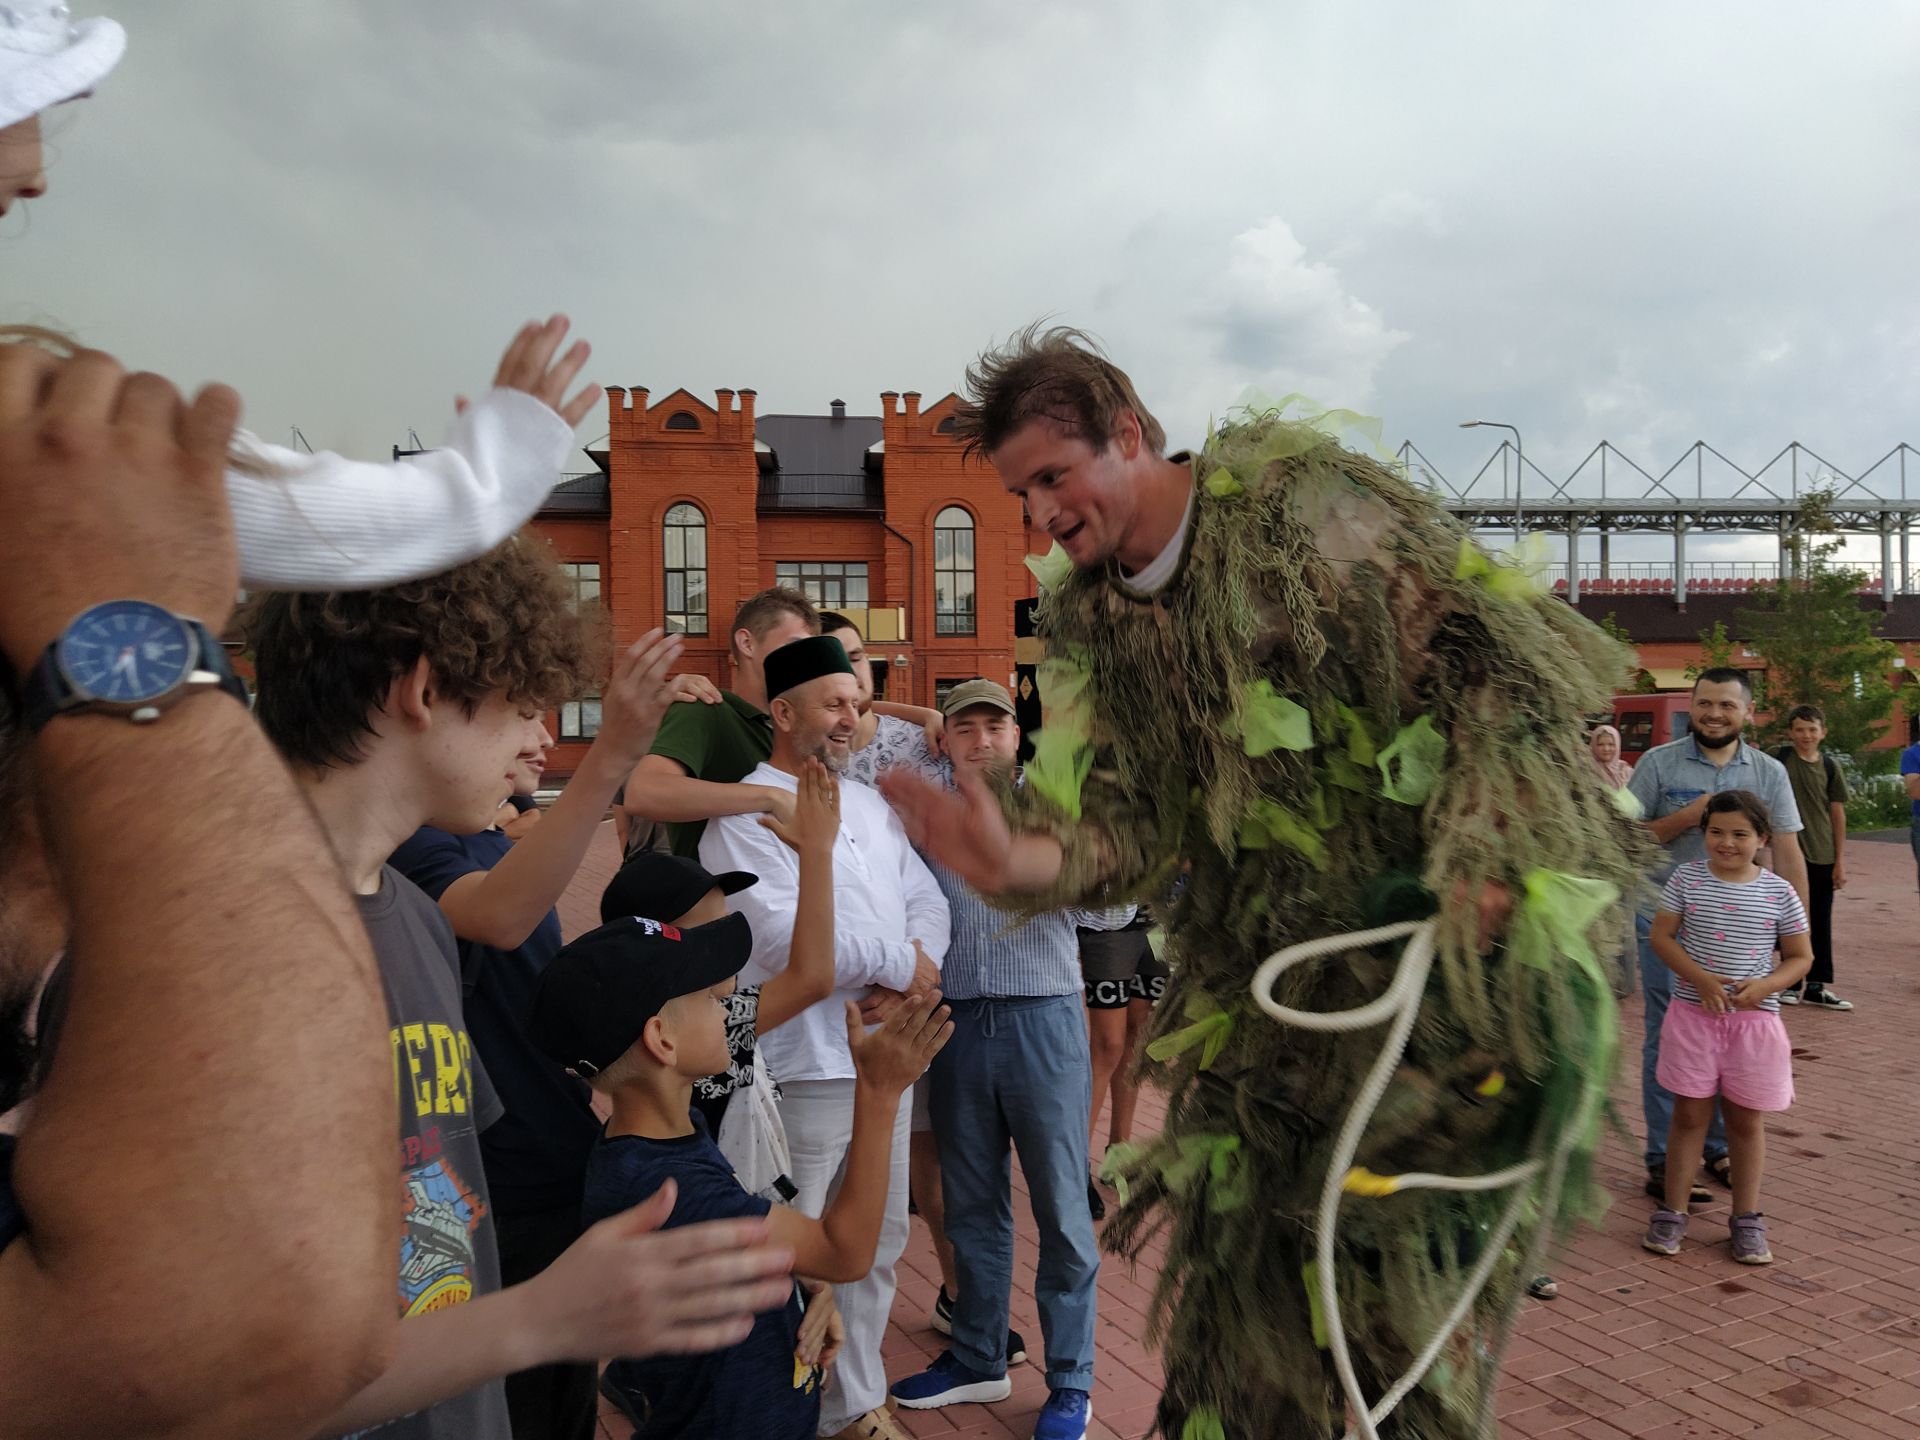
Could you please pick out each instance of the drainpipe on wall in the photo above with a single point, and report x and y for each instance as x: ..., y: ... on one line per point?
x: 913, y: 573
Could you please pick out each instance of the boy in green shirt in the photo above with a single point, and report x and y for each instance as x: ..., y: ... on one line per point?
x: 1820, y: 790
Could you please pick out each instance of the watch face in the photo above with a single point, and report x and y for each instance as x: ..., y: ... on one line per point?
x: 126, y: 651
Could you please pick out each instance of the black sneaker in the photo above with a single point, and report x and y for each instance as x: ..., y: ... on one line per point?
x: 1821, y: 998
x: 1095, y: 1202
x: 942, y: 1318
x: 942, y: 1321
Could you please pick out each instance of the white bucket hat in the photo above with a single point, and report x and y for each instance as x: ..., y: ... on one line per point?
x: 47, y: 56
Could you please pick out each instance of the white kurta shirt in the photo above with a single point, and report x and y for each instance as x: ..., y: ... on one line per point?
x: 884, y: 898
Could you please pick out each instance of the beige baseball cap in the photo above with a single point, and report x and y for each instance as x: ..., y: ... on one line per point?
x: 977, y: 692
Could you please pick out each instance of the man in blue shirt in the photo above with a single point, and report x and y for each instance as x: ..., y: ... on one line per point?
x: 1016, y: 1073
x: 1672, y: 782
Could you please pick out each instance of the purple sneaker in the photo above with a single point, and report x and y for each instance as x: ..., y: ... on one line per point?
x: 1750, y: 1239
x: 1664, y: 1232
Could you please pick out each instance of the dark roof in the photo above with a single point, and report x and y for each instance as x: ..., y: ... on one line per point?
x: 1654, y: 619
x: 579, y: 495
x: 819, y: 444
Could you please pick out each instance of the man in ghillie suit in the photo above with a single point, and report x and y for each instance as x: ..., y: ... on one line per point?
x: 1278, y: 661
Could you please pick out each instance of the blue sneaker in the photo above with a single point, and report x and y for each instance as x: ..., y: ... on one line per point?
x: 948, y: 1382
x: 1066, y: 1416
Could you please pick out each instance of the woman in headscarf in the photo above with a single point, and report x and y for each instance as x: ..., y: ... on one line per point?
x: 1605, y: 745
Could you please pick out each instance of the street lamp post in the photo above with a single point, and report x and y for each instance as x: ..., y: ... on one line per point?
x: 1519, y: 467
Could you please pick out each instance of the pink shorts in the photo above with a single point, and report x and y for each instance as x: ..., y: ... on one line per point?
x: 1743, y: 1055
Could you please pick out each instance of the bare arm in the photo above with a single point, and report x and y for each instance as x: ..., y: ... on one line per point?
x: 966, y: 830
x: 1796, y: 959
x: 624, y: 1288
x: 1912, y: 782
x: 839, y: 1245
x: 913, y: 714
x: 221, y: 980
x: 661, y: 789
x: 1667, y: 827
x: 1790, y: 864
x: 501, y: 907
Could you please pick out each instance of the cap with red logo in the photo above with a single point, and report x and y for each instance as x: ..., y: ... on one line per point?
x: 599, y: 992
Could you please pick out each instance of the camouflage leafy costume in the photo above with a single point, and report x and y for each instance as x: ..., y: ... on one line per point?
x: 1343, y: 714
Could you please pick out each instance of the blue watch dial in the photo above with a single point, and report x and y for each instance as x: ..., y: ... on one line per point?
x: 126, y: 651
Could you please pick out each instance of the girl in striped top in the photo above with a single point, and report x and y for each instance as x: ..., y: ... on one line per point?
x: 1720, y: 921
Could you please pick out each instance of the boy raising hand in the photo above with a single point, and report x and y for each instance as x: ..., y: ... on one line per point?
x: 639, y: 1010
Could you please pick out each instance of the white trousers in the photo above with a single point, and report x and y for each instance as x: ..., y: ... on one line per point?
x: 818, y: 1115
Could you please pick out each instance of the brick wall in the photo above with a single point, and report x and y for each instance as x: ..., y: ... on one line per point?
x: 681, y: 448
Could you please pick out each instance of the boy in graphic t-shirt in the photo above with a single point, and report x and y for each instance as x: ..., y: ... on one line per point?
x: 640, y: 1009
x: 405, y: 707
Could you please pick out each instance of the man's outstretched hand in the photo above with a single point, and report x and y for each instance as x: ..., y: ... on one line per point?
x: 966, y: 831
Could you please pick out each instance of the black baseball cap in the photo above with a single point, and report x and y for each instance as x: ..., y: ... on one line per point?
x: 655, y: 883
x: 598, y: 993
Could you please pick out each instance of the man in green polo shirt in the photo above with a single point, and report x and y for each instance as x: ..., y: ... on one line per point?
x: 702, y: 751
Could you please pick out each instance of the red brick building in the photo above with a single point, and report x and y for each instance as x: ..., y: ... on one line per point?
x: 696, y: 506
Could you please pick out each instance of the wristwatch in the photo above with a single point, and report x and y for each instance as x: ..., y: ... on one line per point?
x: 126, y: 657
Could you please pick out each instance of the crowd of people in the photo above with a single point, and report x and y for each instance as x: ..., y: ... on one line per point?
x: 674, y: 1160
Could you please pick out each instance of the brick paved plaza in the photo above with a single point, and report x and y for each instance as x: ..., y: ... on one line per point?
x: 1825, y: 1342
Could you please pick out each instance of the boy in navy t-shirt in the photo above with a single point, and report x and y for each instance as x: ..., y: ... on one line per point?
x: 639, y: 1009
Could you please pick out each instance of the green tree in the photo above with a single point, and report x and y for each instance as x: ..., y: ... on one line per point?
x: 1716, y: 651
x: 1821, y: 647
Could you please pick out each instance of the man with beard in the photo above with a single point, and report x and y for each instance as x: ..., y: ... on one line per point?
x: 890, y: 932
x: 1673, y: 783
x: 207, y: 1156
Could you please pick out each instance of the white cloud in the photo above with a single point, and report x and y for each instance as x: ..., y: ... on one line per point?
x: 1282, y: 322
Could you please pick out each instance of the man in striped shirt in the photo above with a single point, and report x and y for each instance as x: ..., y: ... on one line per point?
x: 1016, y: 1073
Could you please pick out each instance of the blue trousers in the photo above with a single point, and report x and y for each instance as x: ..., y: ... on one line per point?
x: 1016, y: 1074
x: 1656, y: 986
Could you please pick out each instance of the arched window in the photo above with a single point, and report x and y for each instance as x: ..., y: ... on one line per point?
x: 686, y: 570
x: 682, y: 420
x: 953, y: 572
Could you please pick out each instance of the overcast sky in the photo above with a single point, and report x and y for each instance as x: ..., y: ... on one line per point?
x: 1642, y: 222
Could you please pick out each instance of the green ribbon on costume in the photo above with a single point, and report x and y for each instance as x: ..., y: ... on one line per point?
x: 1554, y: 915
x: 1114, y: 1166
x: 1063, y: 748
x: 1316, y: 1317
x: 1267, y: 722
x: 1520, y: 575
x: 1267, y: 823
x: 1627, y: 803
x: 1203, y: 1424
x: 1222, y: 486
x: 1210, y: 1028
x: 1411, y: 762
x: 1052, y: 568
x: 1360, y: 747
x: 1059, y: 768
x: 1215, y: 1158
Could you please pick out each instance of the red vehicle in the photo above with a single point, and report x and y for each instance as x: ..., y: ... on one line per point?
x: 1645, y: 721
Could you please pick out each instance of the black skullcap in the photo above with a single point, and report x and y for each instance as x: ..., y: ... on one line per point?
x: 802, y: 660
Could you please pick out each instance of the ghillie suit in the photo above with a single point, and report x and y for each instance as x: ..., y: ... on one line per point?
x: 1344, y: 715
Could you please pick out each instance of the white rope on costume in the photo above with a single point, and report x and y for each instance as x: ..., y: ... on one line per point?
x: 1401, y: 1002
